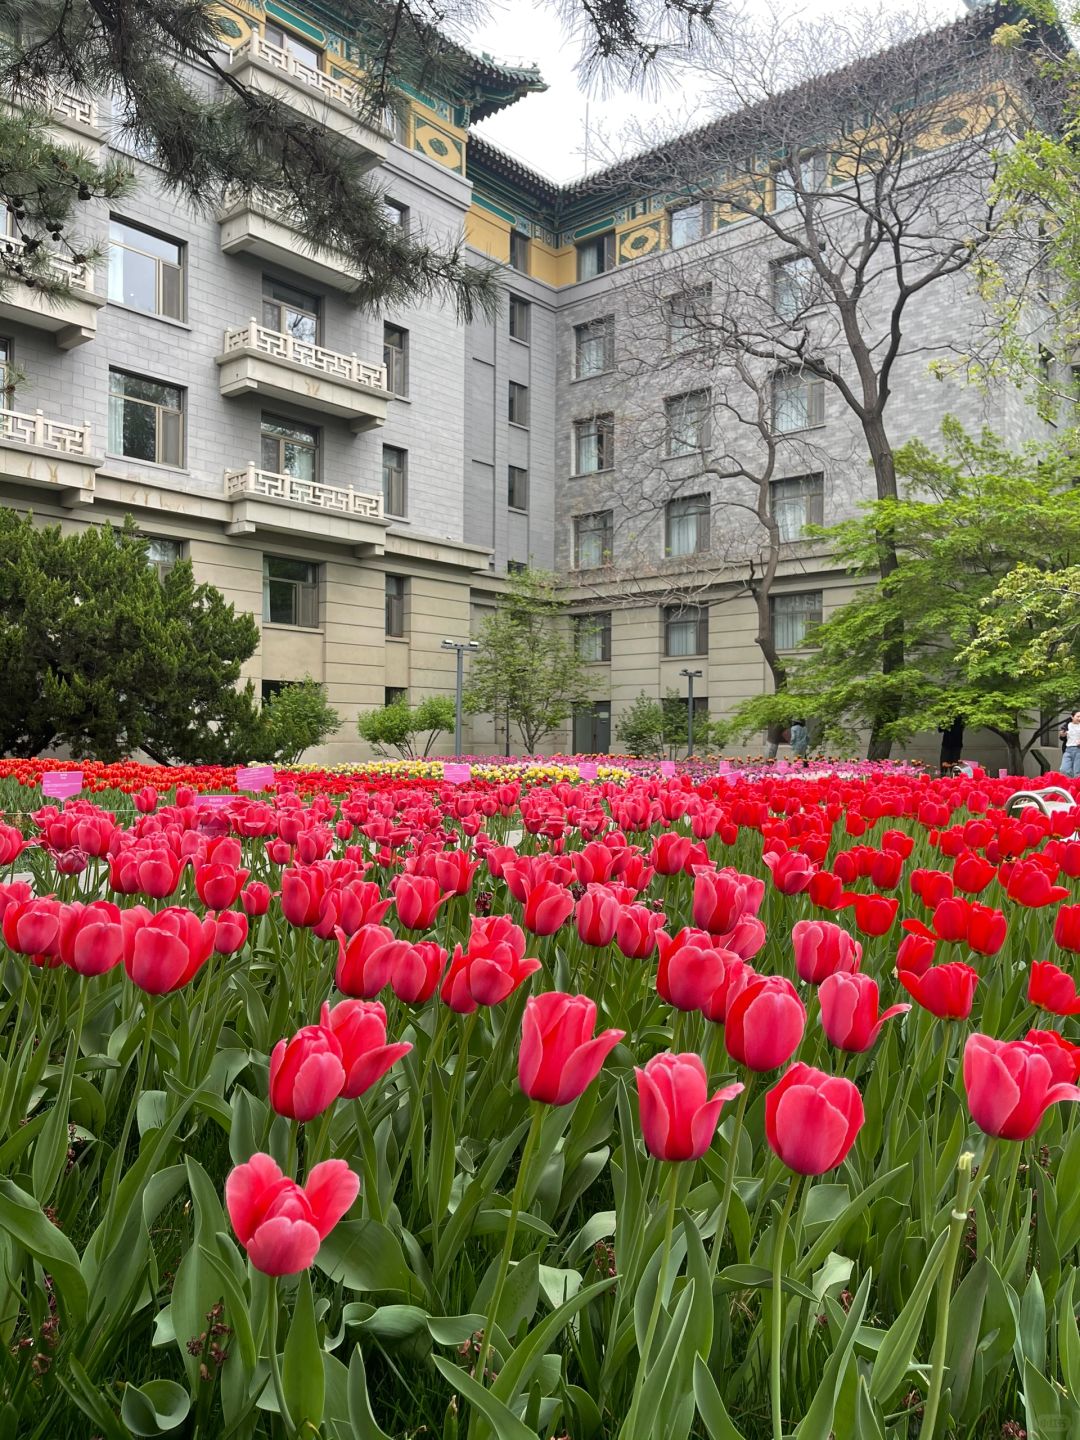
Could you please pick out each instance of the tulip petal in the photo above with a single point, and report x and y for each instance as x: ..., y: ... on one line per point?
x: 584, y: 1064
x: 317, y: 1085
x: 244, y: 1189
x: 331, y: 1188
x: 813, y: 1131
x: 283, y: 1246
x: 371, y: 1067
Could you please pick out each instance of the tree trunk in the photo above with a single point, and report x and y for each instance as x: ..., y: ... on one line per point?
x: 1015, y: 752
x: 892, y: 655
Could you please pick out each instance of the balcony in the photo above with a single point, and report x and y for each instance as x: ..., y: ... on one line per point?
x: 50, y: 454
x: 280, y: 367
x: 254, y: 225
x: 265, y: 501
x: 73, y: 320
x: 326, y: 99
x: 75, y: 118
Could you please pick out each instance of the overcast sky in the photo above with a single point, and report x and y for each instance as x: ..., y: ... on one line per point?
x: 548, y: 132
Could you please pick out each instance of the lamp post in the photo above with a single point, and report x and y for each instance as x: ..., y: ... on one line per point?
x: 691, y: 676
x: 460, y: 646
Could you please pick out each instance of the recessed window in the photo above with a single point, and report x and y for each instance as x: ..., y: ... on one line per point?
x: 595, y: 256
x: 811, y: 172
x: 395, y: 695
x: 396, y: 359
x: 162, y: 554
x: 516, y: 567
x: 519, y: 252
x: 594, y: 347
x: 146, y: 271
x: 687, y: 525
x: 146, y: 419
x: 292, y: 312
x: 517, y: 488
x: 594, y: 444
x: 797, y: 501
x: 290, y: 592
x: 686, y: 630
x: 269, y: 688
x: 592, y: 728
x: 795, y: 286
x: 299, y: 50
x: 396, y: 119
x: 395, y: 606
x: 793, y: 616
x: 688, y: 422
x: 395, y: 477
x: 7, y: 372
x: 688, y: 223
x: 289, y: 448
x: 396, y: 214
x: 688, y: 315
x: 592, y: 637
x: 798, y: 401
x: 518, y: 409
x: 520, y: 318
x: 593, y: 536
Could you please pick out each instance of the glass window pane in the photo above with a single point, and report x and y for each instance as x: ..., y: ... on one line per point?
x: 170, y: 446
x: 687, y: 224
x: 172, y: 292
x: 139, y: 431
x: 283, y: 567
x: 282, y: 603
x: 299, y: 461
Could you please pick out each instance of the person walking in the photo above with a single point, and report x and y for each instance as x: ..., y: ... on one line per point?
x: 1070, y: 760
x: 800, y: 739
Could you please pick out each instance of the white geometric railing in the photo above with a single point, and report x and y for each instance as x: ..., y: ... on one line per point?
x: 45, y: 434
x: 71, y: 106
x: 79, y: 276
x: 256, y: 47
x: 270, y: 486
x: 277, y: 346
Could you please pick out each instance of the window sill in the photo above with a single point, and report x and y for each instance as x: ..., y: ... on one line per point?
x: 149, y: 315
x: 595, y: 375
x: 697, y: 655
x: 153, y: 464
x: 801, y: 430
x: 292, y: 629
x: 517, y: 510
x: 517, y: 340
x: 396, y: 639
x: 586, y: 474
x: 403, y: 399
x: 396, y: 519
x: 517, y: 425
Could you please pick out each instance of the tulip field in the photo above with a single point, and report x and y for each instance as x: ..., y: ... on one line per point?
x: 537, y: 1102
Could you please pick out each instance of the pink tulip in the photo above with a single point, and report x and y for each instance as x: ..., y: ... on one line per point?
x: 281, y: 1224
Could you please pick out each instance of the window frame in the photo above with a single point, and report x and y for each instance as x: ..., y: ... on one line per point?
x: 160, y: 265
x: 288, y: 39
x: 604, y: 247
x: 809, y: 299
x: 281, y: 441
x: 590, y: 712
x: 606, y: 532
x: 161, y: 410
x: 401, y: 471
x: 518, y: 404
x: 812, y: 494
x: 396, y: 598
x: 604, y: 326
x: 698, y: 508
x: 401, y: 211
x: 305, y: 606
x: 701, y: 205
x: 518, y: 239
x: 519, y: 472
x: 523, y: 309
x: 594, y: 624
x: 602, y: 428
x: 783, y: 182
x: 161, y: 565
x: 285, y: 307
x: 703, y: 292
x: 785, y: 595
x: 703, y: 426
x: 814, y: 407
x: 396, y: 360
x: 685, y: 615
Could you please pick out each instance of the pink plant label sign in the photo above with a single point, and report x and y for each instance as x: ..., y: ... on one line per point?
x: 212, y: 802
x: 456, y: 774
x: 667, y: 768
x: 587, y: 770
x: 254, y: 777
x: 61, y: 784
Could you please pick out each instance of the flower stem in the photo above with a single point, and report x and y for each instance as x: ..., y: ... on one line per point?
x: 957, y: 1225
x: 275, y: 1367
x: 629, y: 1429
x: 140, y: 1081
x: 778, y: 1305
x: 729, y: 1180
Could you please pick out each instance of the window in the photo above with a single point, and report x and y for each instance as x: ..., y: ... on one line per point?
x: 395, y: 475
x: 593, y: 540
x: 146, y: 419
x: 299, y: 49
x: 594, y: 347
x: 688, y: 422
x: 292, y: 312
x: 592, y: 637
x: 687, y: 525
x: 7, y: 372
x: 812, y: 174
x: 396, y: 214
x: 517, y: 488
x: 395, y: 349
x: 290, y: 592
x: 162, y: 554
x: 516, y: 567
x: 796, y: 502
x: 794, y: 286
x: 270, y: 688
x: 594, y: 444
x: 395, y: 606
x: 592, y: 728
x: 798, y: 401
x: 688, y: 318
x: 792, y: 617
x: 396, y: 120
x: 519, y: 404
x: 395, y: 695
x: 519, y: 252
x: 595, y: 256
x: 289, y: 448
x: 519, y: 319
x: 687, y: 224
x: 146, y: 271
x: 686, y: 630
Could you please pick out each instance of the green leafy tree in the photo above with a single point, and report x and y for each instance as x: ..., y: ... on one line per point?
x: 528, y: 667
x: 399, y: 727
x: 969, y: 517
x: 100, y: 655
x: 295, y: 718
x: 640, y: 727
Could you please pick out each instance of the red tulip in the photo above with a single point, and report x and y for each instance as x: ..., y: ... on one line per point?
x: 91, y: 937
x: 931, y: 886
x: 280, y: 1224
x: 12, y: 844
x: 230, y: 932
x: 972, y: 873
x: 822, y: 948
x: 678, y: 1120
x: 886, y: 867
x: 636, y: 929
x: 366, y: 960
x: 951, y: 919
x: 307, y: 1073
x: 547, y: 907
x: 218, y: 886
x: 454, y: 871
x: 812, y: 1119
x: 669, y: 853
x: 746, y: 939
x: 1010, y: 1085
x: 737, y: 976
x: 1030, y: 885
x: 874, y: 914
x: 986, y: 929
x: 146, y: 800
x: 1067, y: 928
x: 690, y: 969
x: 765, y: 1023
x: 1063, y: 1056
x: 849, y: 1011
x: 165, y: 951
x: 827, y: 892
x: 560, y: 1056
x: 790, y: 871
x: 255, y: 898
x: 916, y: 953
x: 477, y: 978
x: 417, y: 899
x: 302, y: 891
x: 360, y: 1029
x: 596, y: 916
x: 1052, y: 989
x: 722, y: 897
x: 947, y: 991
x: 349, y: 907
x: 416, y: 971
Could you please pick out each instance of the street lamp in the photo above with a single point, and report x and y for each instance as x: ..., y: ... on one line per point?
x: 460, y: 646
x: 691, y: 676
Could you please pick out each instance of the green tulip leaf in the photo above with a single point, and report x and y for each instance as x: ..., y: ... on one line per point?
x: 154, y: 1408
